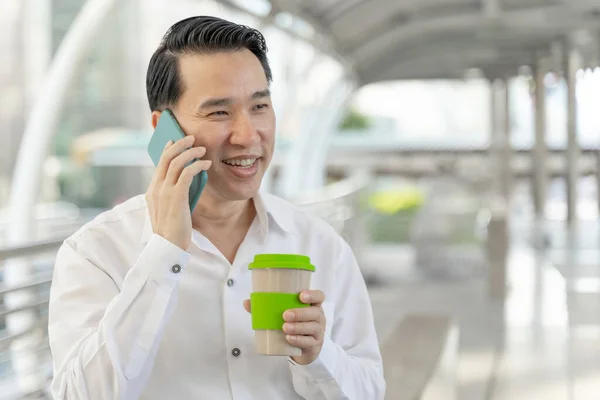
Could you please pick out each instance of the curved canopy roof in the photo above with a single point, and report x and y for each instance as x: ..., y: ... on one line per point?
x: 426, y: 39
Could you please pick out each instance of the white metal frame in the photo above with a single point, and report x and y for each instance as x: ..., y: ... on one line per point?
x: 39, y: 132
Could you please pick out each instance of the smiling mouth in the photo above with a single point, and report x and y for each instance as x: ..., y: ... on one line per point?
x: 243, y: 163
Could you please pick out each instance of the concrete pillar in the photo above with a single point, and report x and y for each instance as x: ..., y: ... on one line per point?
x: 572, y: 64
x: 540, y: 150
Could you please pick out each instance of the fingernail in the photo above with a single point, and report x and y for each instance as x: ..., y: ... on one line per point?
x: 306, y: 297
x: 289, y: 315
x: 288, y: 328
x: 170, y: 142
x: 290, y: 338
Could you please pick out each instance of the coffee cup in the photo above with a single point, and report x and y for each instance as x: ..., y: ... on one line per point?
x: 277, y: 280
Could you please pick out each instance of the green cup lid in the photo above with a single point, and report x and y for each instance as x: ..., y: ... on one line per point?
x: 283, y: 261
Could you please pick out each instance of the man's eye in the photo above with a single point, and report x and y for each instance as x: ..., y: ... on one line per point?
x: 218, y: 113
x: 261, y: 106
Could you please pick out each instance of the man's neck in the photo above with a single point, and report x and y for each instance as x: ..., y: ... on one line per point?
x: 222, y: 216
x: 224, y: 223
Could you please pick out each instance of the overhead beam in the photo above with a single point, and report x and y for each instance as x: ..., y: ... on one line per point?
x: 504, y: 62
x: 351, y: 22
x: 322, y: 42
x: 557, y: 18
x: 510, y: 51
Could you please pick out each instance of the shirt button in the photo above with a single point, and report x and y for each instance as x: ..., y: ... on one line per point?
x: 230, y: 282
x: 236, y: 352
x: 176, y: 268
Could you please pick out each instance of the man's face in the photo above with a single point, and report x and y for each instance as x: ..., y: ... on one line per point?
x: 225, y: 104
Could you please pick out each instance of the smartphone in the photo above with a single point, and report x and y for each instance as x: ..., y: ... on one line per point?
x: 168, y: 129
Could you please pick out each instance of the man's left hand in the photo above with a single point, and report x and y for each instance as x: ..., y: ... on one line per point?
x: 305, y: 327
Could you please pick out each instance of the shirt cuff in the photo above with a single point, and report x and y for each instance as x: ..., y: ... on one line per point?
x: 162, y: 261
x: 323, y: 368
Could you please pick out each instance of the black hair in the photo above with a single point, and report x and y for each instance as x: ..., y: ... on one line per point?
x: 204, y: 35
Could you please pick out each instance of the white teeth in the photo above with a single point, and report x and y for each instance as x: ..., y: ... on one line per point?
x: 241, y: 163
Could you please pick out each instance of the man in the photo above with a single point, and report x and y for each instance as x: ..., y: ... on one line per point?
x: 148, y: 300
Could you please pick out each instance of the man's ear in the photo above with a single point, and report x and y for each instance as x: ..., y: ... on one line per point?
x: 155, y: 117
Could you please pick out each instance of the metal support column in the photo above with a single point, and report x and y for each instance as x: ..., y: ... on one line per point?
x: 332, y: 112
x: 37, y: 46
x: 497, y: 244
x: 572, y: 64
x: 497, y: 238
x: 507, y: 173
x: 598, y: 179
x: 540, y: 150
x: 500, y: 149
x: 494, y: 143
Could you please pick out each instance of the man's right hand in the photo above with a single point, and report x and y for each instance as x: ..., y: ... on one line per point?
x: 168, y: 194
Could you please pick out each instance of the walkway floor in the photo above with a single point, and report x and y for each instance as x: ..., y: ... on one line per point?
x: 543, y: 342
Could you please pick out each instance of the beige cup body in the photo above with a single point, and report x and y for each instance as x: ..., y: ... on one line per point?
x: 279, y: 280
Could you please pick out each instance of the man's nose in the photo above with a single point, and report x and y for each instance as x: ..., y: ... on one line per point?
x: 244, y: 132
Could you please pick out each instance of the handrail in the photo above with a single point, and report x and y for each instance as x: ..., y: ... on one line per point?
x: 6, y: 341
x: 335, y: 191
x: 30, y: 285
x: 29, y: 249
x: 36, y: 304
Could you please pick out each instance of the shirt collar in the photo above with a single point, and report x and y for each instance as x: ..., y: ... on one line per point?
x: 271, y: 209
x: 268, y: 208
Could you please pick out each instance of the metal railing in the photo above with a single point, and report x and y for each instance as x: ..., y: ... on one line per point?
x: 39, y: 305
x: 341, y: 205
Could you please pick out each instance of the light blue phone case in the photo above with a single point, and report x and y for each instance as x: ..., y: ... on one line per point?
x: 168, y: 129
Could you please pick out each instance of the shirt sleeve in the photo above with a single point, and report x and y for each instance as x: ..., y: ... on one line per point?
x: 349, y: 366
x: 104, y: 339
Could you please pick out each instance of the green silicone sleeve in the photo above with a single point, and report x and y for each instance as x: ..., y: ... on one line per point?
x: 268, y: 309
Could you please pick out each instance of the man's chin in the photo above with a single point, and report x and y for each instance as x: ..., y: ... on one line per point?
x: 242, y: 192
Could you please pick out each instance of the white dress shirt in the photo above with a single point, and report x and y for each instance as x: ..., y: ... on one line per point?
x: 133, y: 316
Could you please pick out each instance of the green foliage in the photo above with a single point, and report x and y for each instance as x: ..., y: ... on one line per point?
x: 355, y: 120
x: 392, y: 201
x: 393, y: 211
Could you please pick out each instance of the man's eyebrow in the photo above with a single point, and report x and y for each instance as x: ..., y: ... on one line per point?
x: 215, y: 102
x: 225, y: 101
x: 261, y: 93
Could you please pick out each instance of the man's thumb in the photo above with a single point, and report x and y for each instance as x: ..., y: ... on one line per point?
x: 247, y: 306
